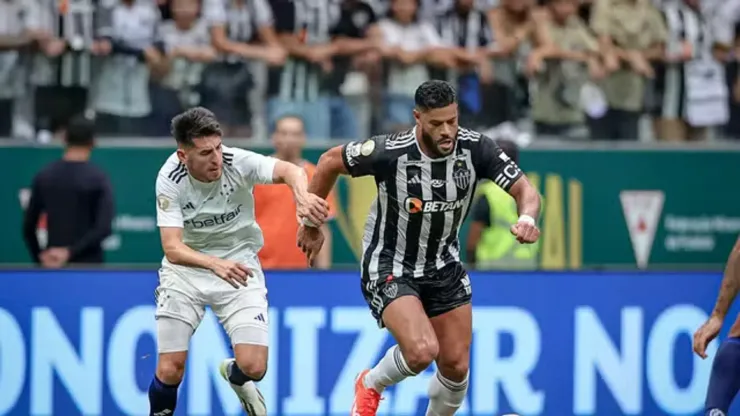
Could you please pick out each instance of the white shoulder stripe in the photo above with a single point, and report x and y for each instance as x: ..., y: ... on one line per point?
x: 465, y: 134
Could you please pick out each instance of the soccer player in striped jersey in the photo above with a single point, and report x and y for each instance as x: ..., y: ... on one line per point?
x: 205, y: 213
x: 724, y: 382
x: 412, y: 276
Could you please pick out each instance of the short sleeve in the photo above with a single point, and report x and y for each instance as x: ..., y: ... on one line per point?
x: 365, y: 157
x: 169, y: 213
x: 262, y: 13
x: 600, y: 18
x: 430, y: 35
x: 723, y: 22
x: 284, y: 14
x: 214, y: 12
x: 492, y: 163
x: 657, y: 25
x: 32, y: 16
x: 482, y: 211
x: 254, y: 167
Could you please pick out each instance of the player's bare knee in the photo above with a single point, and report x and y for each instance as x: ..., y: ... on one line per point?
x: 252, y: 367
x: 420, y: 354
x: 171, y: 368
x: 456, y: 371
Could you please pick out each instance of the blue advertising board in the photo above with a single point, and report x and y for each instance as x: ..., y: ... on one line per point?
x: 82, y: 342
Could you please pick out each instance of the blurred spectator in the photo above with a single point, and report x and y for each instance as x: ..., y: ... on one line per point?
x: 63, y: 67
x: 490, y: 243
x: 242, y: 32
x: 690, y: 83
x: 187, y: 47
x: 17, y: 33
x: 356, y: 39
x: 121, y: 99
x: 77, y: 200
x: 304, y: 28
x: 410, y: 45
x: 275, y: 208
x: 631, y: 35
x: 512, y: 24
x: 465, y: 29
x: 566, y: 55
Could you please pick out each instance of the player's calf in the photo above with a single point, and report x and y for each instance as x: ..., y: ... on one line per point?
x: 164, y: 385
x: 448, y: 387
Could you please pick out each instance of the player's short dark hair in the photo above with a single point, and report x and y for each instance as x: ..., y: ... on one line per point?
x: 434, y: 94
x: 510, y: 148
x: 195, y: 123
x: 80, y: 131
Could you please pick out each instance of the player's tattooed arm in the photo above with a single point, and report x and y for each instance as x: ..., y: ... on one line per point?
x: 730, y: 283
x: 309, y: 206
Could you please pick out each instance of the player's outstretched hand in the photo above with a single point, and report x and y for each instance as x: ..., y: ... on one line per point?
x: 525, y: 232
x: 234, y: 273
x: 705, y: 334
x: 310, y: 241
x: 312, y: 208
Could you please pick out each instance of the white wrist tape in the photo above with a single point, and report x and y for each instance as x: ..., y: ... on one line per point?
x: 308, y: 223
x: 527, y: 220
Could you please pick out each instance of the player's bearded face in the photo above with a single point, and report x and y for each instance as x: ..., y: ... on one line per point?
x: 204, y: 159
x: 438, y: 129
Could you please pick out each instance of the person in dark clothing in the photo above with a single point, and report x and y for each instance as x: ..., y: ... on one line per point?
x: 76, y: 198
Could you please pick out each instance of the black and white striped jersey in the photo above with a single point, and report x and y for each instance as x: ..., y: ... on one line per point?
x: 413, y: 225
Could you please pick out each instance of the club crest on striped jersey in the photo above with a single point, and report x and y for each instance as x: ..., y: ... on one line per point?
x: 461, y: 174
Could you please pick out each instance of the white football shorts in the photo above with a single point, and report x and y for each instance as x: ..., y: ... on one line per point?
x: 242, y: 312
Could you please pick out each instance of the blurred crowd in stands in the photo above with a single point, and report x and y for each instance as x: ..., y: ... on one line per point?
x: 573, y: 69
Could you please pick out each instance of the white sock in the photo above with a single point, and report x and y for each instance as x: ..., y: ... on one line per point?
x: 391, y: 369
x: 445, y: 396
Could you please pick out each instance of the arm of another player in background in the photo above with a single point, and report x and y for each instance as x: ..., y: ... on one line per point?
x: 103, y: 226
x: 481, y: 219
x: 30, y: 222
x: 730, y: 284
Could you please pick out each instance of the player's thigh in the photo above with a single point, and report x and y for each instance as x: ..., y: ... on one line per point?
x: 244, y: 315
x: 396, y: 305
x: 454, y: 331
x: 178, y: 314
x: 446, y: 299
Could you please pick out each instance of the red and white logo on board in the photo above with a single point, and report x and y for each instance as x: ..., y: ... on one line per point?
x: 642, y: 211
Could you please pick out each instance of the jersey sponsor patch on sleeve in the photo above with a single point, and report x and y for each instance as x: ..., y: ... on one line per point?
x: 163, y: 202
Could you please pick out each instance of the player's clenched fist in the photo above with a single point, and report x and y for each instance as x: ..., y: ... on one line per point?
x: 312, y: 208
x: 234, y: 273
x: 525, y: 230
